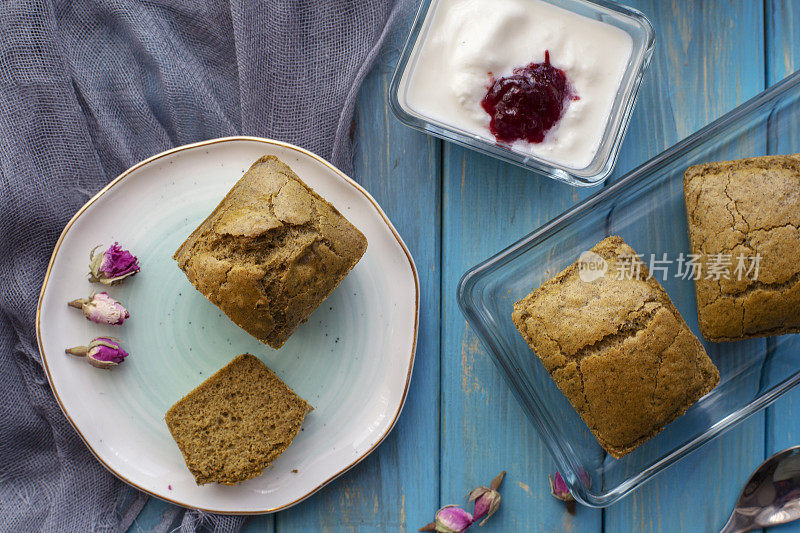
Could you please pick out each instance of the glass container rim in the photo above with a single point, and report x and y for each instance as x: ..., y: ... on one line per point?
x: 532, y: 163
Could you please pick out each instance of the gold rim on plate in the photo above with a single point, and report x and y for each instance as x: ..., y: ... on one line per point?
x: 122, y: 176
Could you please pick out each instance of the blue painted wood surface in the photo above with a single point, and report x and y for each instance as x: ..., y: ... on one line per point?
x: 453, y: 207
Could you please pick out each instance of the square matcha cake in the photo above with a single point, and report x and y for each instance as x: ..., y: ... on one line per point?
x: 744, y: 216
x: 271, y: 252
x: 616, y: 347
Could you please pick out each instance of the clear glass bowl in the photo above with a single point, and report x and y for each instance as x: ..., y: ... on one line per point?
x: 629, y: 20
x: 646, y: 208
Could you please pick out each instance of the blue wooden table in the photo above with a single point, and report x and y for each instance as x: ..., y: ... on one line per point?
x: 454, y: 208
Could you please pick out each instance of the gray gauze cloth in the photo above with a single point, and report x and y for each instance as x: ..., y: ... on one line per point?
x: 87, y: 89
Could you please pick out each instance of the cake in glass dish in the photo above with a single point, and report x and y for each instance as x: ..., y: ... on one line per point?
x: 616, y: 346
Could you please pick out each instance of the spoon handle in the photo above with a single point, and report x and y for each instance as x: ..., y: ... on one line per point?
x: 738, y: 523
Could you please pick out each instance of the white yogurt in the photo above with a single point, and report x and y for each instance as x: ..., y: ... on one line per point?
x: 469, y: 39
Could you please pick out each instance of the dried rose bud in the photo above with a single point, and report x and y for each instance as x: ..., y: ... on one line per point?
x: 487, y: 500
x: 102, y: 352
x: 559, y: 490
x: 450, y: 519
x: 102, y: 309
x: 111, y: 266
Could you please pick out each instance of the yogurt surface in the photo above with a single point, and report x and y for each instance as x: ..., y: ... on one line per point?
x: 469, y: 41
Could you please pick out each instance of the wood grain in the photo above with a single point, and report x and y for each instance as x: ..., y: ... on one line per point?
x: 709, y: 58
x: 782, y: 428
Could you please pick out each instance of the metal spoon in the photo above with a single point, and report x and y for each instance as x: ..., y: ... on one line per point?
x: 771, y: 496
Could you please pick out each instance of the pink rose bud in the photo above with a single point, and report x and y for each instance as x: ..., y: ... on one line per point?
x: 487, y: 500
x: 102, y: 309
x: 111, y: 266
x: 450, y: 519
x: 102, y: 352
x: 559, y: 489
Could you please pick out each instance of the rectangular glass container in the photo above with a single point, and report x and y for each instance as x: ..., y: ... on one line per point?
x: 646, y: 208
x: 629, y: 20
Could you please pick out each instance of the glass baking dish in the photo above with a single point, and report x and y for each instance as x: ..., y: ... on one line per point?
x: 646, y: 208
x: 629, y: 20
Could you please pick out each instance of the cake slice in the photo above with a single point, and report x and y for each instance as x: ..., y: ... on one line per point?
x: 616, y: 346
x: 271, y: 252
x: 236, y: 423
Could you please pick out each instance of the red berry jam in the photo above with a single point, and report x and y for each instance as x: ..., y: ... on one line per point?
x: 528, y: 103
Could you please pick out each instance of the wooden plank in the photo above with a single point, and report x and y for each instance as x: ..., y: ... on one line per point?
x: 395, y: 488
x: 259, y: 524
x: 488, y: 205
x: 783, y: 58
x: 709, y: 58
x: 156, y: 512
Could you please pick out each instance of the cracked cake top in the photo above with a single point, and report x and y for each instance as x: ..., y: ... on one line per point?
x: 746, y: 213
x: 616, y: 347
x: 270, y: 252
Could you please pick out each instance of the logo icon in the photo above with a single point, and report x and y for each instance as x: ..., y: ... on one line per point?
x: 591, y: 266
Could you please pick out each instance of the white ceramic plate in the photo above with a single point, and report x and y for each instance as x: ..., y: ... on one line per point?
x: 352, y: 360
